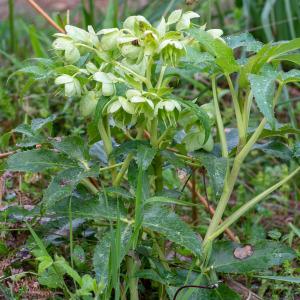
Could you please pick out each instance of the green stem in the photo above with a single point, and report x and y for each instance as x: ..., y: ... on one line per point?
x: 238, y: 114
x: 219, y: 119
x: 231, y: 179
x: 127, y: 161
x: 158, y: 164
x: 132, y: 279
x: 106, y: 141
x: 246, y: 111
x: 89, y: 186
x: 242, y: 210
x: 161, y: 76
x: 148, y: 73
x: 123, y: 169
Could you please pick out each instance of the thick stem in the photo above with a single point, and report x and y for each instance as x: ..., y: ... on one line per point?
x: 219, y: 120
x: 231, y: 179
x: 132, y: 280
x: 158, y: 164
x: 126, y: 162
x: 238, y: 114
x: 161, y: 76
x: 242, y: 210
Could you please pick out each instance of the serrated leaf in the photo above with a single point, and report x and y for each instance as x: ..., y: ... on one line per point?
x: 39, y: 123
x: 145, y: 156
x: 244, y: 39
x: 38, y: 160
x: 294, y: 58
x: 216, y: 168
x: 224, y: 54
x: 128, y: 147
x: 73, y: 146
x: 291, y: 76
x: 63, y: 184
x: 263, y: 88
x: 195, y: 56
x: 84, y: 205
x: 201, y: 115
x: 275, y: 149
x: 159, y: 219
x: 265, y: 254
x: 289, y: 279
x: 281, y: 131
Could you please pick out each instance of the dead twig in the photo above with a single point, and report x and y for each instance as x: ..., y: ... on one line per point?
x: 4, y: 155
x: 242, y: 290
x: 45, y: 16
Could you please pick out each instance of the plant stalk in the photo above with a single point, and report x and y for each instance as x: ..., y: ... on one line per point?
x: 219, y: 119
x: 242, y: 210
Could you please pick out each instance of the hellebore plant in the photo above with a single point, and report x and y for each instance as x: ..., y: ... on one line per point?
x: 123, y: 78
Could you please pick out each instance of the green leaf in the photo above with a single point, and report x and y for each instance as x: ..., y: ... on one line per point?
x: 159, y: 219
x: 223, y: 292
x: 195, y: 56
x: 102, y: 252
x: 128, y: 147
x: 216, y: 168
x: 263, y: 88
x: 244, y: 39
x: 62, y: 264
x: 275, y: 149
x: 291, y: 76
x: 84, y: 205
x: 294, y: 58
x: 281, y: 131
x: 38, y: 241
x: 201, y: 115
x: 79, y: 256
x: 39, y: 123
x: 224, y: 54
x: 73, y: 146
x: 51, y: 279
x: 63, y: 184
x: 145, y: 156
x: 289, y: 279
x: 262, y: 255
x: 38, y: 160
x: 166, y: 200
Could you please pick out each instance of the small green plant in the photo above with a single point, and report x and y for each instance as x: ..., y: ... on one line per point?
x: 137, y: 127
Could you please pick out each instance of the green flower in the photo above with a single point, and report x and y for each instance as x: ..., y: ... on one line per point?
x: 130, y: 48
x: 171, y: 51
x: 109, y: 38
x: 136, y: 24
x: 81, y: 36
x: 142, y: 105
x: 216, y: 34
x: 168, y: 111
x: 88, y: 103
x: 108, y: 81
x: 63, y: 43
x: 185, y: 20
x: 72, y: 85
x: 194, y: 139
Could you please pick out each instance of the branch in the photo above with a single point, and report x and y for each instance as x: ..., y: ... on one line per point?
x: 4, y: 155
x: 45, y: 16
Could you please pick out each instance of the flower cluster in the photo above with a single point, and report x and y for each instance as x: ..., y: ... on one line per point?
x: 96, y: 64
